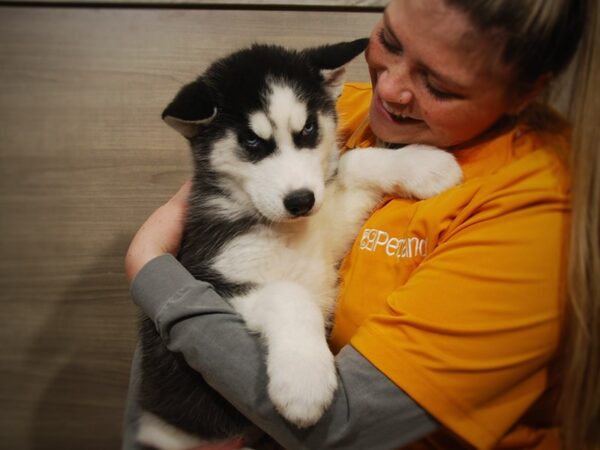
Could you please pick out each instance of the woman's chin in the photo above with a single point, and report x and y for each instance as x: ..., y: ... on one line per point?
x: 398, y: 135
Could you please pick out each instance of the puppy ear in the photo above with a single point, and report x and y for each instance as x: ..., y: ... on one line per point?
x: 192, y: 107
x: 331, y: 59
x: 334, y: 56
x: 334, y: 80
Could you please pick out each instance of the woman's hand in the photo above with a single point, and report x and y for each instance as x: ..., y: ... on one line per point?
x: 160, y: 234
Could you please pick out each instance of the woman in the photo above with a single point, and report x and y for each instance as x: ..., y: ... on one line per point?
x: 450, y: 345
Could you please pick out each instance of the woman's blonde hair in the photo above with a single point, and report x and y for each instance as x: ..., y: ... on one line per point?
x: 540, y: 39
x: 580, y: 403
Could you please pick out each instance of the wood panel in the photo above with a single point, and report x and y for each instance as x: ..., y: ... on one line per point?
x: 262, y: 3
x: 84, y: 158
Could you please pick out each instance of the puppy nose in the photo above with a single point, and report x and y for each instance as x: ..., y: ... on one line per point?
x: 299, y: 202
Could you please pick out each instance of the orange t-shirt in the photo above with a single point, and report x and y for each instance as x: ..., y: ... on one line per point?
x: 458, y: 298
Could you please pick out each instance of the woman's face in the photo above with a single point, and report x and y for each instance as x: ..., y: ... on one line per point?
x: 436, y: 80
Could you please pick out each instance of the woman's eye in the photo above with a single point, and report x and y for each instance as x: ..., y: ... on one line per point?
x: 439, y: 94
x: 387, y: 45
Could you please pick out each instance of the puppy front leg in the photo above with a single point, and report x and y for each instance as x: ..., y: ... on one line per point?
x: 364, y: 175
x: 300, y: 366
x: 419, y: 171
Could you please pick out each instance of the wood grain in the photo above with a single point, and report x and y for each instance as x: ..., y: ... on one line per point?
x: 219, y: 3
x: 84, y: 158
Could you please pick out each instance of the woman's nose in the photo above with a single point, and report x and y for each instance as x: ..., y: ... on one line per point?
x: 393, y: 86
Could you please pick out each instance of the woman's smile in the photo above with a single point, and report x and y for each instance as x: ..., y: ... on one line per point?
x: 395, y: 115
x: 435, y: 79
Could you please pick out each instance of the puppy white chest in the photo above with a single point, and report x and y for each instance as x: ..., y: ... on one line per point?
x: 265, y: 255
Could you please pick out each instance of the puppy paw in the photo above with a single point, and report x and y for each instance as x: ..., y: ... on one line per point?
x: 432, y: 171
x: 302, y: 384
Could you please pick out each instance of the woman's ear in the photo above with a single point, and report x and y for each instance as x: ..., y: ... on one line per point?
x: 525, y: 97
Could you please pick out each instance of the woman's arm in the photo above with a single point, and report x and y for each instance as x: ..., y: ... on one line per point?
x: 368, y: 410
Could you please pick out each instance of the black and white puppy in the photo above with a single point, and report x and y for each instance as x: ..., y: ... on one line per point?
x: 272, y: 211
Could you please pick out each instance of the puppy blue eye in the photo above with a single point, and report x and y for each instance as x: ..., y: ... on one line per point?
x: 308, y: 129
x: 251, y: 142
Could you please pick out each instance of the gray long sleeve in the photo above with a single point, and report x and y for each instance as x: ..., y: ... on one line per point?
x: 368, y: 410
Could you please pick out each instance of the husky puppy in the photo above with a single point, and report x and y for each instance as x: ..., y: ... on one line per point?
x: 272, y: 211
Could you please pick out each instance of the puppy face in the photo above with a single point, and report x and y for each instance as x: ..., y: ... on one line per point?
x: 279, y: 159
x: 261, y: 123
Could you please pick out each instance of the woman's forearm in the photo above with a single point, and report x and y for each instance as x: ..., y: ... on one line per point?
x: 368, y: 410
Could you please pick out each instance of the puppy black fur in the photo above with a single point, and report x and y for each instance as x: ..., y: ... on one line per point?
x: 232, y: 86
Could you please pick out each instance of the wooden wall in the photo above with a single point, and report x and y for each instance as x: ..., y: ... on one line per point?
x: 84, y: 158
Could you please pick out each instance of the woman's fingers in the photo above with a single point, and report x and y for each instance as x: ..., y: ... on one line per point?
x: 161, y: 233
